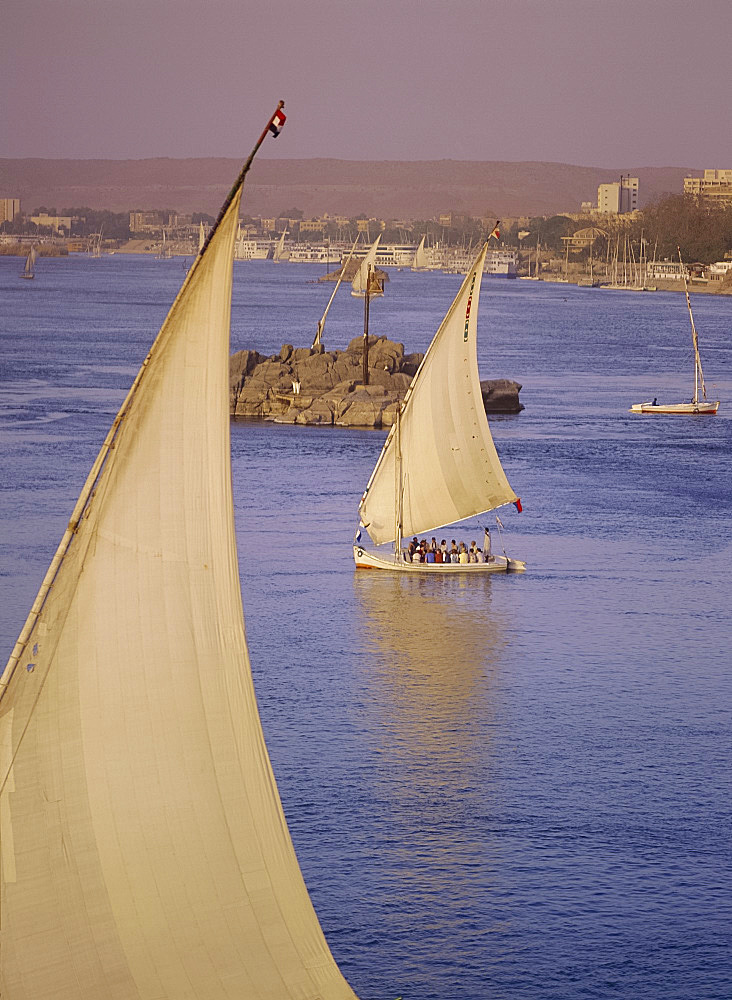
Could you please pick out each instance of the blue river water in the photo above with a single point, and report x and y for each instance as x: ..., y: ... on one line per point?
x: 509, y: 788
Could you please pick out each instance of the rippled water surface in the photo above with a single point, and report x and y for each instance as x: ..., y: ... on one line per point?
x: 510, y: 788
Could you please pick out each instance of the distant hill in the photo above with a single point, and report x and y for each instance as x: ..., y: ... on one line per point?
x: 384, y: 189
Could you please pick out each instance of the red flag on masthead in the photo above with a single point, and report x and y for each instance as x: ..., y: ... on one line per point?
x: 496, y: 234
x: 517, y: 504
x: 278, y: 120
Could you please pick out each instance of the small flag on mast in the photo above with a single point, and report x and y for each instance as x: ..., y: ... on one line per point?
x: 496, y: 234
x: 517, y: 504
x: 278, y: 120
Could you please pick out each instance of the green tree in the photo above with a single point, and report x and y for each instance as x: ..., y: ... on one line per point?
x: 702, y: 231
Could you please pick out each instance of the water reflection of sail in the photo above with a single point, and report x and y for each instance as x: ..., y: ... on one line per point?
x: 434, y: 648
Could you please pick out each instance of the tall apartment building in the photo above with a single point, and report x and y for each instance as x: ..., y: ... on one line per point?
x: 715, y: 186
x: 9, y: 208
x: 619, y: 197
x: 146, y: 222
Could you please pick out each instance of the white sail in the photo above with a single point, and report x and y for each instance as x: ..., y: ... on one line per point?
x: 279, y: 251
x: 422, y: 260
x: 318, y: 339
x: 144, y: 851
x: 30, y: 263
x: 448, y: 468
x: 358, y: 285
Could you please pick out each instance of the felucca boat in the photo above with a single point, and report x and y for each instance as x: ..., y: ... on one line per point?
x: 318, y: 339
x: 144, y: 853
x: 439, y: 464
x: 699, y: 402
x: 365, y: 275
x: 422, y: 259
x: 29, y: 271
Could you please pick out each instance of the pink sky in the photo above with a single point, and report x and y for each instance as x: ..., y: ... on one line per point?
x: 614, y: 83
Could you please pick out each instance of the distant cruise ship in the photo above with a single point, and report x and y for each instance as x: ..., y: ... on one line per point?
x: 252, y: 249
x: 498, y: 263
x: 388, y: 254
x: 313, y: 254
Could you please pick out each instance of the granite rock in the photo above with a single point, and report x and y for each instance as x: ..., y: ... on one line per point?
x: 331, y: 385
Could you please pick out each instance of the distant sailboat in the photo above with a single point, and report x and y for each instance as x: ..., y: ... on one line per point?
x: 164, y: 252
x: 145, y: 854
x: 422, y: 260
x: 358, y: 285
x: 279, y: 250
x: 95, y: 247
x: 699, y: 402
x: 438, y: 464
x: 321, y: 322
x: 29, y: 271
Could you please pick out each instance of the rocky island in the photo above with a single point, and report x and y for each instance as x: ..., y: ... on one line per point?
x: 303, y: 385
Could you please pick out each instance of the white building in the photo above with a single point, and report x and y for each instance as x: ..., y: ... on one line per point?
x: 618, y: 197
x: 55, y: 222
x: 666, y: 270
x: 719, y: 270
x: 715, y: 186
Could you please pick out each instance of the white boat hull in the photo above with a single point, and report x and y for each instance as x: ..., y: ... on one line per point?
x: 705, y: 407
x: 498, y: 564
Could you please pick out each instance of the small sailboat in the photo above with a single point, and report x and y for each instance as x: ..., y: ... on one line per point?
x: 318, y: 339
x: 699, y: 402
x: 279, y: 250
x: 164, y: 250
x: 29, y: 271
x: 536, y: 276
x: 95, y: 247
x: 422, y: 259
x: 145, y: 853
x: 439, y: 464
x: 366, y: 268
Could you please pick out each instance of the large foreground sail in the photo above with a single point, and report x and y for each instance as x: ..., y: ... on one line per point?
x: 144, y: 851
x: 441, y: 450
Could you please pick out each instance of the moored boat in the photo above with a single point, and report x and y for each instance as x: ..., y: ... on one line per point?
x: 698, y: 404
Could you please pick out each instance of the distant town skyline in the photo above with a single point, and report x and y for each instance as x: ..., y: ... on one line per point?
x: 618, y: 82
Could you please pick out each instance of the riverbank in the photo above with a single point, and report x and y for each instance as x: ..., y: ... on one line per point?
x: 23, y: 249
x: 697, y: 287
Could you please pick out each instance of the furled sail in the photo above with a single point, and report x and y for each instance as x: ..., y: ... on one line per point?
x: 358, y: 285
x: 441, y: 450
x: 144, y: 852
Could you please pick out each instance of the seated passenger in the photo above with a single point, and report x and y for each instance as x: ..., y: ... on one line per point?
x: 430, y: 556
x: 479, y: 557
x: 463, y: 555
x: 438, y: 555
